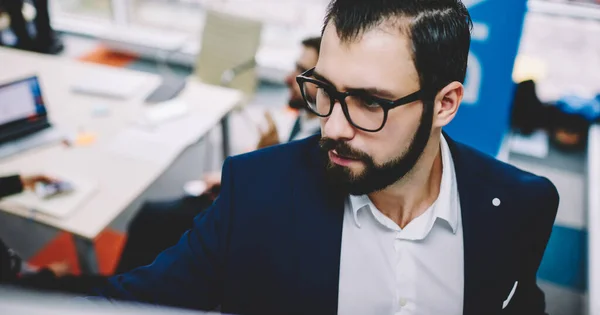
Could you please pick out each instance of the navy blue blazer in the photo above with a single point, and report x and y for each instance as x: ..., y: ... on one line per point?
x: 270, y: 244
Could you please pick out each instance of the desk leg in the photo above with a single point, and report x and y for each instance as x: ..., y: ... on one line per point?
x: 225, y: 135
x: 86, y: 254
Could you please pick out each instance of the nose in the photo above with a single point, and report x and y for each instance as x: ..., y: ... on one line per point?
x: 337, y: 127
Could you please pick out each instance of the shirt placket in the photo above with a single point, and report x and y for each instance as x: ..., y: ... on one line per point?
x: 405, y: 277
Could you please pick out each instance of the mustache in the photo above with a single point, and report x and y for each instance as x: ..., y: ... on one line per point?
x: 343, y: 149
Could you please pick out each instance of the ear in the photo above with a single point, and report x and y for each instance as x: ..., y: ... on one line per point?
x: 447, y: 102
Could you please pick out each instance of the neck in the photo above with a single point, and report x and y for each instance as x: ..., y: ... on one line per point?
x: 412, y: 195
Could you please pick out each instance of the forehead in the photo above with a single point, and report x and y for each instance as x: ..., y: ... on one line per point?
x: 380, y: 57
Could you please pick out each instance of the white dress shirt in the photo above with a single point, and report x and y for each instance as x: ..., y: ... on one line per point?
x: 417, y: 270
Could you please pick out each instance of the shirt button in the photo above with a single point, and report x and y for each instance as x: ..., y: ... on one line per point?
x: 403, y: 302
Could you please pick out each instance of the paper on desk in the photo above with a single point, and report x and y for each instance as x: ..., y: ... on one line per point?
x: 58, y: 206
x: 535, y: 145
x: 185, y: 130
x: 158, y: 114
x: 163, y: 142
x: 141, y: 145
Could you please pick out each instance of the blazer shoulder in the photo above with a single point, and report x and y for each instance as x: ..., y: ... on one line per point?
x: 277, y: 156
x: 277, y: 165
x: 525, y: 184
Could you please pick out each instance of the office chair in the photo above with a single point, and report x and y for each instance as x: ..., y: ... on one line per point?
x: 227, y: 55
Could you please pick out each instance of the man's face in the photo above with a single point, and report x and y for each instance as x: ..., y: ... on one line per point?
x: 380, y: 62
x: 307, y: 60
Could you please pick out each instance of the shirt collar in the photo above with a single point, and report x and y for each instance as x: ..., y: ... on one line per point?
x: 357, y: 203
x: 446, y: 205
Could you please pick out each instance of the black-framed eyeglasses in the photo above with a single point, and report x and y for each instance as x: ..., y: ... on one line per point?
x: 363, y: 111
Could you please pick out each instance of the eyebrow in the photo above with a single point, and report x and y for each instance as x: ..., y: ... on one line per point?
x: 368, y: 91
x: 320, y: 77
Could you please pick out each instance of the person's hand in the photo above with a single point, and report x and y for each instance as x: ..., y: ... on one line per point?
x: 269, y: 137
x: 213, y: 182
x: 60, y: 269
x: 29, y: 182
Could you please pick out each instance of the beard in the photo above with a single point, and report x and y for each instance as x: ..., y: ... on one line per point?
x: 375, y: 177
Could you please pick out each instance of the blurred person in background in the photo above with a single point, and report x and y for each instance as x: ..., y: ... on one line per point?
x: 54, y: 277
x: 307, y: 123
x: 381, y: 214
x: 10, y: 185
x: 158, y: 225
x: 45, y: 40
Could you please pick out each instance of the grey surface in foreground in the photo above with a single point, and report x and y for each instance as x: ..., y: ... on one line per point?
x: 562, y: 301
x: 17, y: 302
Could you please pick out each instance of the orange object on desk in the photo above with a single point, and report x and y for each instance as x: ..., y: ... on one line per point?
x: 84, y: 138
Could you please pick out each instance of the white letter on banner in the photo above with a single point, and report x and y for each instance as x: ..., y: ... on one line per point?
x: 473, y: 81
x: 474, y: 70
x: 471, y: 3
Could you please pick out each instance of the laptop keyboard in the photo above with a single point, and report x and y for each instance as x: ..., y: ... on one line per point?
x: 38, y: 139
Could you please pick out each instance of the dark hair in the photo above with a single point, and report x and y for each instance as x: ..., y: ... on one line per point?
x: 440, y: 31
x: 313, y: 42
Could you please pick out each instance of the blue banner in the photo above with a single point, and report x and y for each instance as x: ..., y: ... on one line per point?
x: 483, y: 118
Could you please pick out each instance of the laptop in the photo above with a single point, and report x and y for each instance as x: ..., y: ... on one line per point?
x: 24, y: 120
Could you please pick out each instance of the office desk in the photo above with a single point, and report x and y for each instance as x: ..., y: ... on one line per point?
x: 593, y: 194
x: 120, y: 177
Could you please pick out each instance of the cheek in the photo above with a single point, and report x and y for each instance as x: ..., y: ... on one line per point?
x: 395, y: 137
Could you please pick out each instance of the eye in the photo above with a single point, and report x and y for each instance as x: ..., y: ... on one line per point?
x: 322, y: 94
x: 321, y: 91
x: 369, y: 103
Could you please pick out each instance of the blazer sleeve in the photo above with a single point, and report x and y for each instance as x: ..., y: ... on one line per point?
x: 10, y: 185
x: 529, y: 298
x: 8, y: 264
x: 189, y: 274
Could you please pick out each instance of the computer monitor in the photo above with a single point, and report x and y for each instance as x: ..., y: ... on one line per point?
x: 22, y: 109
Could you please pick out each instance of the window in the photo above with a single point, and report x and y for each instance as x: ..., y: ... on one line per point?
x: 90, y: 9
x: 180, y: 15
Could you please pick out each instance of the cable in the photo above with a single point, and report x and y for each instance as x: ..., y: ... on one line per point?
x: 162, y: 58
x: 172, y: 84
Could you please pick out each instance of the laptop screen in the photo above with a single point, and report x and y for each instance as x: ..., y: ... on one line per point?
x: 22, y: 109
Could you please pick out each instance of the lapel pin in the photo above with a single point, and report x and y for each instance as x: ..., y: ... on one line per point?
x: 496, y: 202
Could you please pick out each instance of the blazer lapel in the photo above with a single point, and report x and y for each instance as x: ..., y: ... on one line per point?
x: 481, y: 229
x: 317, y: 223
x: 318, y: 217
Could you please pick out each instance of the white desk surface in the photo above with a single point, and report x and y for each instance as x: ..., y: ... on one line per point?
x: 594, y: 220
x: 120, y: 179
